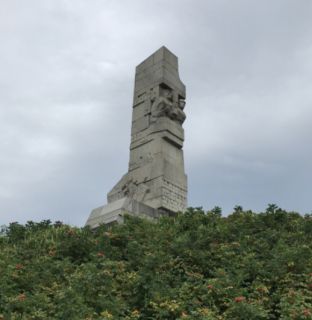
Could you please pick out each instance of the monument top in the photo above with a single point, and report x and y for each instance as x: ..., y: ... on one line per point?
x: 162, y: 54
x: 159, y: 68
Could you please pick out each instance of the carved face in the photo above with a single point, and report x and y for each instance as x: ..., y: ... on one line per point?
x: 181, y: 103
x: 167, y: 93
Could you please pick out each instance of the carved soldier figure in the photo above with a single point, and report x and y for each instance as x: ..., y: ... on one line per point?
x: 178, y: 113
x: 162, y: 105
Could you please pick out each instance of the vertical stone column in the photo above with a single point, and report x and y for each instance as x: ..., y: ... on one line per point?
x: 155, y: 183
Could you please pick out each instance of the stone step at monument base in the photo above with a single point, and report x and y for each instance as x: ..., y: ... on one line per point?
x: 113, y: 212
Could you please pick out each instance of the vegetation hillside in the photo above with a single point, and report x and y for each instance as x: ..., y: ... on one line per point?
x: 198, y: 265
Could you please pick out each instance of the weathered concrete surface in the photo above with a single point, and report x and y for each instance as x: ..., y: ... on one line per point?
x: 155, y: 176
x: 114, y: 211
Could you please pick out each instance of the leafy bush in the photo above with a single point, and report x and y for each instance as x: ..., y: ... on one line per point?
x: 198, y: 265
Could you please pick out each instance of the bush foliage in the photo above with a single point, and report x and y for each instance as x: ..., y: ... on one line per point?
x: 198, y: 265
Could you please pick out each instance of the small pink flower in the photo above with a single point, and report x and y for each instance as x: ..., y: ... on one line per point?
x: 239, y: 299
x: 21, y: 297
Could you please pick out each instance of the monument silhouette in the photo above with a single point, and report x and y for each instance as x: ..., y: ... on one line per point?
x: 155, y: 183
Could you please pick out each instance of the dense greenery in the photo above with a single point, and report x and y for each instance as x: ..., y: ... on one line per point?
x: 198, y: 265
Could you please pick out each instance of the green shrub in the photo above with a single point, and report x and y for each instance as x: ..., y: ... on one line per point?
x: 198, y: 265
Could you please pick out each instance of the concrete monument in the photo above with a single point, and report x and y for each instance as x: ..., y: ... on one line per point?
x: 155, y: 183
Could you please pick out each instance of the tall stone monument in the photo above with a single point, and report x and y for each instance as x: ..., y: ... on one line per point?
x: 155, y: 183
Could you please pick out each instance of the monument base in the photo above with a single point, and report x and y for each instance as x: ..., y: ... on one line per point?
x: 113, y: 212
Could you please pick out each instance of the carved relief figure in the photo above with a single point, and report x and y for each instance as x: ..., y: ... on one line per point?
x: 142, y: 191
x: 129, y: 188
x: 134, y: 190
x: 178, y: 113
x: 164, y: 105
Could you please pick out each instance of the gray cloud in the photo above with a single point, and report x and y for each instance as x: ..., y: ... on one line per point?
x: 66, y: 83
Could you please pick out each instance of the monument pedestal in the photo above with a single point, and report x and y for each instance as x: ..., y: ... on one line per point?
x: 113, y: 212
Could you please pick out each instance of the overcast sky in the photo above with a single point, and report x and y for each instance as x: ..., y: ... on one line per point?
x: 66, y: 84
